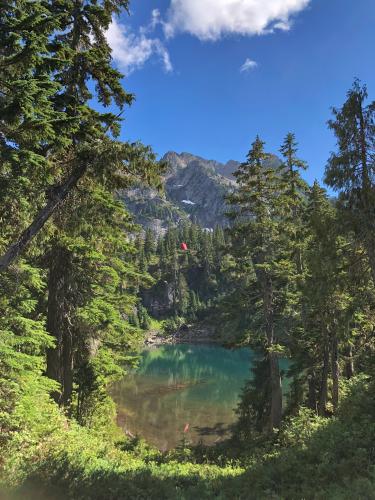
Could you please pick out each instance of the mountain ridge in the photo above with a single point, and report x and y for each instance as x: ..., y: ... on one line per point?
x: 194, y: 189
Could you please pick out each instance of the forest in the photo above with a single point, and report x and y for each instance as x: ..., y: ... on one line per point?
x: 82, y: 285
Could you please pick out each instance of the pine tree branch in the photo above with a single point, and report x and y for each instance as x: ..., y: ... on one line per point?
x: 57, y: 196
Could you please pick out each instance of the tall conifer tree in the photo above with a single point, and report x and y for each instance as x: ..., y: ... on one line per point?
x: 351, y: 170
x: 256, y: 232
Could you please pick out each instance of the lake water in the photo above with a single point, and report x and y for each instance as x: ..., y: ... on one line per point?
x: 183, y: 391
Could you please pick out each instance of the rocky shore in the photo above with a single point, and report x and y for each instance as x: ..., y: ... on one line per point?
x: 187, y: 334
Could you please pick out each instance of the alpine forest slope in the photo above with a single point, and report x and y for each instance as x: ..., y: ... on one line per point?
x: 248, y: 249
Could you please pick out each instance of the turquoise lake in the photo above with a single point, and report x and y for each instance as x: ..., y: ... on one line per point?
x: 183, y: 391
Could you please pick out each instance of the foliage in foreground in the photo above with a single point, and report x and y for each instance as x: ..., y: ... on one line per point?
x: 312, y: 457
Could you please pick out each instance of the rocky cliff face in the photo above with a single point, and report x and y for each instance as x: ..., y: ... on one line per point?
x: 152, y: 209
x: 195, y: 186
x: 195, y: 189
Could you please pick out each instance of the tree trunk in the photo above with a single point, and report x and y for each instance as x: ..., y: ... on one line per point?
x: 349, y: 364
x: 276, y: 392
x: 57, y: 195
x: 60, y: 358
x: 275, y: 378
x: 335, y: 372
x: 323, y: 394
x: 312, y: 403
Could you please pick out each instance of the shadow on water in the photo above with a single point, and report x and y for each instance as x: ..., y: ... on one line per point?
x: 218, y: 430
x: 183, y: 391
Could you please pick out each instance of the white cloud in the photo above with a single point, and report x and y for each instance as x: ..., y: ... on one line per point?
x: 211, y: 19
x: 131, y: 51
x: 154, y: 22
x: 205, y: 19
x: 155, y: 18
x: 248, y: 65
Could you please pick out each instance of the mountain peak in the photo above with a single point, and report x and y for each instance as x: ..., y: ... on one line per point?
x: 184, y: 159
x: 195, y: 189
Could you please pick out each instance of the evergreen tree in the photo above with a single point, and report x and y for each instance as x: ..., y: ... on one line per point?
x: 183, y: 295
x: 351, y: 170
x: 91, y: 288
x: 291, y: 268
x: 293, y: 196
x: 61, y: 49
x: 161, y: 252
x: 185, y: 233
x: 257, y: 233
x: 193, y: 236
x: 149, y: 244
x: 194, y: 305
x: 144, y: 318
x: 142, y: 260
x: 325, y: 297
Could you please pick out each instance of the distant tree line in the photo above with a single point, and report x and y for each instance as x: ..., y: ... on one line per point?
x: 187, y: 280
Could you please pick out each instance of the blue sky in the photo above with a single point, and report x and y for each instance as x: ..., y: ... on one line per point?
x: 183, y: 60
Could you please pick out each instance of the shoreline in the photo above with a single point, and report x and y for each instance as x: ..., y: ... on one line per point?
x: 188, y: 334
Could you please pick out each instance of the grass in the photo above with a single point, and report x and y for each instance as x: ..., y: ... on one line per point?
x: 312, y: 457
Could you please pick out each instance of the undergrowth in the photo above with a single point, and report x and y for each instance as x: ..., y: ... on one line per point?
x: 53, y: 458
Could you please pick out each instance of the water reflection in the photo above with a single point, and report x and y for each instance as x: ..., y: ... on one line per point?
x: 183, y: 391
